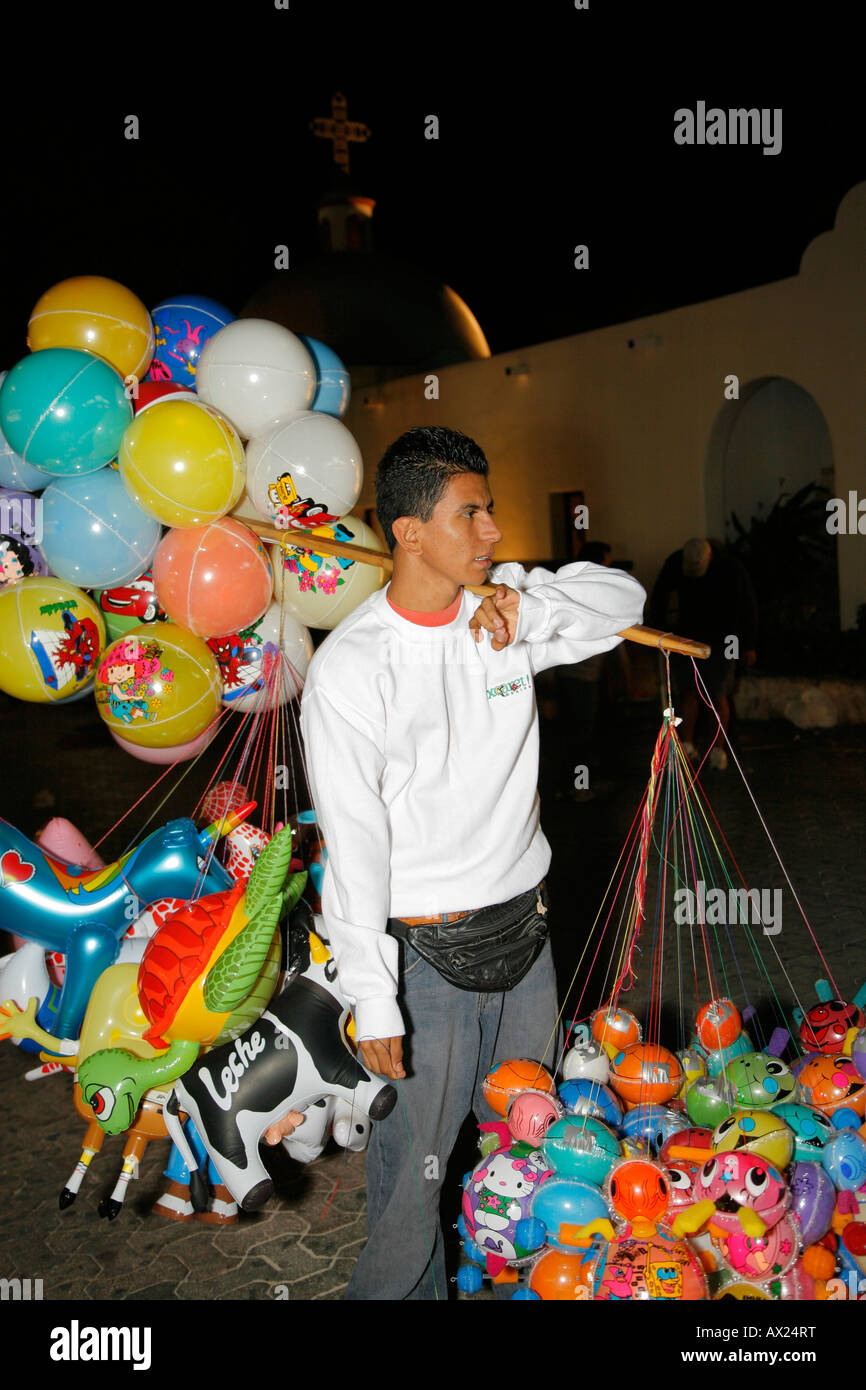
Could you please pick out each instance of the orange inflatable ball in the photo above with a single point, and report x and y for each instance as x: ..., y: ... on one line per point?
x: 182, y: 462
x: 213, y: 580
x: 507, y: 1079
x: 562, y: 1276
x: 646, y: 1074
x: 615, y: 1029
x: 89, y: 311
x: 819, y: 1262
x: 158, y: 687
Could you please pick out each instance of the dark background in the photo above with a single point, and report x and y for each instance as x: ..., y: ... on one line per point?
x: 556, y: 128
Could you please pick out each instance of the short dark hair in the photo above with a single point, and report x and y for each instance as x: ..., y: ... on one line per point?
x: 414, y: 471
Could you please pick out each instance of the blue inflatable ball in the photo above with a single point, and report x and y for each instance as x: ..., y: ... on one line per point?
x: 462, y: 1229
x: 652, y: 1123
x: 14, y: 472
x: 566, y: 1201
x: 530, y: 1233
x: 93, y: 534
x: 717, y: 1061
x: 584, y: 1096
x: 525, y: 1296
x: 64, y: 410
x: 469, y: 1278
x: 333, y: 383
x: 182, y: 326
x: 580, y: 1146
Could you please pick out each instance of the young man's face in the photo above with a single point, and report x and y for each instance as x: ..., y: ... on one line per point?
x: 458, y: 540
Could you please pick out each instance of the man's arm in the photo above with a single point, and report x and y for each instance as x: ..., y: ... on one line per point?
x: 572, y: 614
x: 345, y: 760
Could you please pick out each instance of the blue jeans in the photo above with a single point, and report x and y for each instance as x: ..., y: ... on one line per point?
x: 453, y: 1037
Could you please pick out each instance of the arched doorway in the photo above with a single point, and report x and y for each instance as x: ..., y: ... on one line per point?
x: 768, y: 472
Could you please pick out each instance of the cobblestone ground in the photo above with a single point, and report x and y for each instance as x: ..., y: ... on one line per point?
x: 58, y: 761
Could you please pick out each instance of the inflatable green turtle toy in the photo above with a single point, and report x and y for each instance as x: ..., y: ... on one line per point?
x: 205, y: 976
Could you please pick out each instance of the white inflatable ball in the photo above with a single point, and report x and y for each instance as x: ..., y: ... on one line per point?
x: 306, y: 470
x: 320, y: 590
x: 255, y: 372
x: 247, y: 660
x: 586, y: 1061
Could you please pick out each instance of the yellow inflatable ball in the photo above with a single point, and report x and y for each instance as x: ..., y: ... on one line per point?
x: 182, y: 462
x: 51, y: 638
x: 158, y: 687
x: 319, y: 589
x: 89, y: 311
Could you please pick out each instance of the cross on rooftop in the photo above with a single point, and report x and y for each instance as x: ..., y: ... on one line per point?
x: 342, y: 131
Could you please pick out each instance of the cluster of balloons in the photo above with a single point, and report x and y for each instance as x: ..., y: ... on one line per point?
x: 717, y: 1172
x: 121, y: 423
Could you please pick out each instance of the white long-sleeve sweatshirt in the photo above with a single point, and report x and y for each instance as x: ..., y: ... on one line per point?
x: 422, y: 754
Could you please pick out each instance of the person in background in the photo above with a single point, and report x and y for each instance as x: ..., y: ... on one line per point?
x: 715, y: 602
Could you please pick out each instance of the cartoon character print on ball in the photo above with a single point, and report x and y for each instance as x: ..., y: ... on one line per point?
x: 320, y: 589
x: 759, y: 1080
x: 51, y: 637
x: 134, y: 604
x: 826, y: 1025
x: 655, y: 1268
x: 20, y: 555
x: 834, y: 1085
x: 738, y: 1183
x: 496, y: 1196
x: 182, y: 327
x: 248, y: 660
x: 158, y: 692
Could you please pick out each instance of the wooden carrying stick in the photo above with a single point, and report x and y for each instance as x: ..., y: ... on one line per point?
x: 326, y: 545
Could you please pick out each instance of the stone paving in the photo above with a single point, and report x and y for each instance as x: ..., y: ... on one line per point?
x: 59, y: 761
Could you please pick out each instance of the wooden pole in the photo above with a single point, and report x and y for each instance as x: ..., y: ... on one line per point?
x: 326, y: 545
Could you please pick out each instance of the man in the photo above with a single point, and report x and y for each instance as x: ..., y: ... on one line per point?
x: 421, y: 735
x: 716, y: 602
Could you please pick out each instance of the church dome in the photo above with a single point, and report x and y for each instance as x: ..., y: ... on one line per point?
x: 383, y: 317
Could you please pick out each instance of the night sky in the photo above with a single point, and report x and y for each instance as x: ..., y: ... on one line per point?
x: 556, y: 128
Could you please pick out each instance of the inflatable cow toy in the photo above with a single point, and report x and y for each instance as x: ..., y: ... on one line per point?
x: 295, y: 1055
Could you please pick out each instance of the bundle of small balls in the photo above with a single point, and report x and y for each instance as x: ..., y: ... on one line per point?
x: 715, y: 1172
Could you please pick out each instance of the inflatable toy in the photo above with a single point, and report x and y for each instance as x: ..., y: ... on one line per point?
x: 182, y: 326
x: 51, y: 639
x: 182, y: 462
x: 99, y: 315
x: 257, y: 373
x: 64, y: 411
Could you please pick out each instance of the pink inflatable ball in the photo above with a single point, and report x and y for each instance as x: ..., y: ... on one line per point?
x: 162, y: 757
x: 221, y: 799
x: 531, y: 1113
x: 213, y: 580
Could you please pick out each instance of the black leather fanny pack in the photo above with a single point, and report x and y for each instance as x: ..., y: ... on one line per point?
x: 488, y: 950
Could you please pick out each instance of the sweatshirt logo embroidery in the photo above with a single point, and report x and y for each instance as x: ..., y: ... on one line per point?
x: 513, y: 687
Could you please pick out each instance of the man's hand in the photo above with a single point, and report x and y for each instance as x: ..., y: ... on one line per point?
x: 384, y: 1056
x: 498, y: 614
